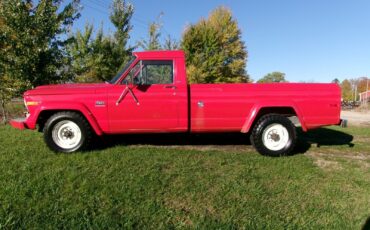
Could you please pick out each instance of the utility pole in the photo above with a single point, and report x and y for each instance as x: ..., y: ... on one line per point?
x: 367, y: 91
x: 353, y: 92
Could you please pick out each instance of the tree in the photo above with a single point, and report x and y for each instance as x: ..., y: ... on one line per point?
x: 9, y: 88
x: 214, y: 50
x: 336, y: 81
x: 346, y: 88
x: 100, y: 58
x: 152, y: 42
x: 32, y: 48
x: 273, y: 77
x: 35, y: 49
x: 171, y: 44
x: 362, y: 84
x: 120, y: 17
x: 359, y: 85
x: 81, y: 53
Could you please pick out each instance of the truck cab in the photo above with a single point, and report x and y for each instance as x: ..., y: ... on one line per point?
x: 151, y: 95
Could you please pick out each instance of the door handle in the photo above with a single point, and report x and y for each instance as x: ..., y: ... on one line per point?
x: 170, y: 87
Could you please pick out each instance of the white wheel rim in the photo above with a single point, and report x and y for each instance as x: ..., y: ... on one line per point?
x: 66, y: 134
x: 275, y: 137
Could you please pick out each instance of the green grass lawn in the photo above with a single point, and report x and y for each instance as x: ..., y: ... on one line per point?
x: 186, y: 186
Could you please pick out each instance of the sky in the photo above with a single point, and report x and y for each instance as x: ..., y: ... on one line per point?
x: 310, y: 41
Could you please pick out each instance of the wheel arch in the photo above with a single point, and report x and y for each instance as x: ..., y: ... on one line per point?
x: 258, y: 111
x: 47, y: 111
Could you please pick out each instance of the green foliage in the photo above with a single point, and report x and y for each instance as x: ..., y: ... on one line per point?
x: 273, y: 78
x: 100, y: 58
x: 81, y: 54
x: 94, y: 60
x: 336, y: 81
x: 154, y: 34
x: 32, y: 48
x: 346, y: 87
x: 127, y: 186
x: 120, y: 17
x: 171, y: 43
x: 214, y: 50
x: 9, y: 88
x: 353, y: 87
x: 153, y: 41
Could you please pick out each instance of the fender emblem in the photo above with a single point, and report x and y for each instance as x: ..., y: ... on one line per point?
x: 100, y: 103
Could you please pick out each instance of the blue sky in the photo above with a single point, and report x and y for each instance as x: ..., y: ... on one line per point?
x: 314, y: 41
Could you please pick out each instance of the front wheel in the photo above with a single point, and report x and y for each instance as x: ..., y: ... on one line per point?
x: 274, y: 135
x: 67, y: 132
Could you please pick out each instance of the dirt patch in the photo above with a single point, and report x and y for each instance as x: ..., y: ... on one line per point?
x: 356, y: 118
x: 328, y: 162
x: 362, y: 139
x: 207, y: 148
x: 359, y: 156
x: 328, y: 165
x: 364, y: 165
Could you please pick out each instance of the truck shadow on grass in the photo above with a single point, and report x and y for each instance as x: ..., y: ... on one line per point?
x: 321, y: 137
x: 225, y: 141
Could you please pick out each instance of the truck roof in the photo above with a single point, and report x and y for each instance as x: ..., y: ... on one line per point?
x: 160, y: 54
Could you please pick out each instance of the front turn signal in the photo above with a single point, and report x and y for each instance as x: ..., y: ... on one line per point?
x: 31, y: 103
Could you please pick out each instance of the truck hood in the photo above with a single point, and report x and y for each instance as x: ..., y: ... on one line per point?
x: 66, y: 89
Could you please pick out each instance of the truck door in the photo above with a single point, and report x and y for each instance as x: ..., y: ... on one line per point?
x: 148, y: 100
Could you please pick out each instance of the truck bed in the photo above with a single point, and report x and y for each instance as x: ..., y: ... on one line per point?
x: 232, y: 107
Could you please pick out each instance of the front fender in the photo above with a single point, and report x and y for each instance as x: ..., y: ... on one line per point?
x: 63, y: 106
x: 257, y: 107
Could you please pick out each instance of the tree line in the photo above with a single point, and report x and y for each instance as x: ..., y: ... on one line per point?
x: 351, y: 88
x: 37, y: 47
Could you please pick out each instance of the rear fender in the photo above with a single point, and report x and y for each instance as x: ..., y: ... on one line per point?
x: 257, y: 108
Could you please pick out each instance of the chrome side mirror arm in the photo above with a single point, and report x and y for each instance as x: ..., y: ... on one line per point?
x: 123, y: 94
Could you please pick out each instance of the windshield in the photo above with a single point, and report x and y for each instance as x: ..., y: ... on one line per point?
x: 119, y: 74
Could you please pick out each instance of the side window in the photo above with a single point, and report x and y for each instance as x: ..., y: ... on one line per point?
x: 157, y: 72
x: 151, y: 72
x: 133, y: 74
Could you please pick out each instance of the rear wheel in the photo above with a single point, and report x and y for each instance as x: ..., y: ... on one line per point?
x: 274, y: 135
x: 67, y: 132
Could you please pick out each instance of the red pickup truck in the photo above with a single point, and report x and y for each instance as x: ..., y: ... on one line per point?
x: 151, y: 95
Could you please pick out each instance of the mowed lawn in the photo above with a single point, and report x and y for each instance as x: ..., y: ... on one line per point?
x: 155, y: 186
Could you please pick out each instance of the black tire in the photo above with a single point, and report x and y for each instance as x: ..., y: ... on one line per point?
x: 267, y: 141
x: 64, y: 126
